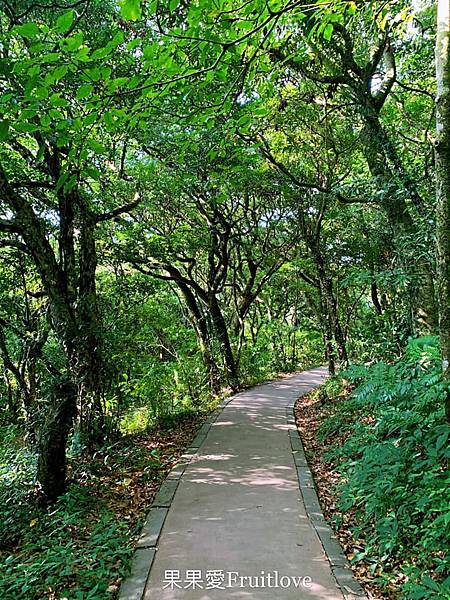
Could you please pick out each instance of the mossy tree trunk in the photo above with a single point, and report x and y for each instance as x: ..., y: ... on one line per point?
x: 52, y: 464
x: 74, y: 319
x: 443, y: 183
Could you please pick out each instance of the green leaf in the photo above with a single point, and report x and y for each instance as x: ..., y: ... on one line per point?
x: 245, y: 25
x: 430, y: 583
x: 62, y: 180
x: 115, y: 84
x: 60, y: 72
x: 64, y: 22
x: 106, y: 73
x: 57, y: 100
x: 244, y: 120
x: 45, y: 120
x: 92, y: 172
x: 130, y: 9
x: 28, y: 30
x: 101, y: 53
x: 71, y: 183
x: 51, y: 57
x: 109, y: 119
x: 442, y: 440
x: 328, y: 32
x: 90, y: 119
x: 94, y: 74
x: 41, y: 93
x: 55, y: 114
x: 84, y: 91
x: 96, y: 146
x: 149, y: 52
x: 4, y: 130
x: 262, y: 111
x: 25, y: 127
x: 72, y: 43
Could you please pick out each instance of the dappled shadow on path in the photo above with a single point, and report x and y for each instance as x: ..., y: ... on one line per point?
x: 315, y: 592
x: 238, y: 506
x: 270, y: 475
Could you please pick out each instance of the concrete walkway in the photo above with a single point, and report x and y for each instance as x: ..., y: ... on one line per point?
x: 237, y: 526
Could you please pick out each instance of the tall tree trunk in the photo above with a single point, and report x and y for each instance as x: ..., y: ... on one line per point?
x: 52, y: 464
x: 333, y: 331
x: 374, y: 291
x: 443, y: 183
x: 318, y: 310
x: 223, y: 337
x: 385, y: 165
x: 335, y: 323
x: 327, y: 329
x: 88, y: 353
x: 76, y: 327
x: 203, y: 336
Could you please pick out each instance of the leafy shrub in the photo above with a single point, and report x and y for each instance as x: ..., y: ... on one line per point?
x: 394, y: 467
x: 75, y: 550
x: 53, y: 558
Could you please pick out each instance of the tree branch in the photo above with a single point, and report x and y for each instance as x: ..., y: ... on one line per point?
x: 8, y: 243
x: 119, y: 210
x: 380, y: 96
x: 9, y: 226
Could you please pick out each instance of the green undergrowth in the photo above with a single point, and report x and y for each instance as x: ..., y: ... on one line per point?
x: 393, y: 458
x: 81, y: 547
x: 73, y: 550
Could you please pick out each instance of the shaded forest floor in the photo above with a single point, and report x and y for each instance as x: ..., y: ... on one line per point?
x: 82, y: 546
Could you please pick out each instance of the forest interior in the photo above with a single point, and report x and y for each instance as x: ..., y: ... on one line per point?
x: 198, y: 196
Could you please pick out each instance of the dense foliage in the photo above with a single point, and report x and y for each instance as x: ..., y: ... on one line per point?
x: 196, y: 196
x: 394, y: 468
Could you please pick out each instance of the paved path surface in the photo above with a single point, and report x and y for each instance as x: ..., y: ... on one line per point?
x: 238, y: 509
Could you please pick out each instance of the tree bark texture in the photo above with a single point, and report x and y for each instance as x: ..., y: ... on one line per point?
x: 52, y: 465
x: 442, y: 157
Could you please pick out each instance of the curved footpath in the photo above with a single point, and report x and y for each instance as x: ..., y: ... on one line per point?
x: 239, y: 518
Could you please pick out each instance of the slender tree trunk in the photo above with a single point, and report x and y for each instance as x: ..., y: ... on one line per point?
x: 52, y: 464
x: 333, y: 330
x: 327, y: 331
x: 327, y: 334
x: 335, y: 323
x: 329, y: 348
x: 223, y: 337
x: 443, y: 183
x: 88, y: 352
x: 203, y: 336
x: 374, y: 293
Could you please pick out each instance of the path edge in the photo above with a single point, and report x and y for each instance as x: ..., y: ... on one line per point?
x: 340, y: 566
x: 133, y: 587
